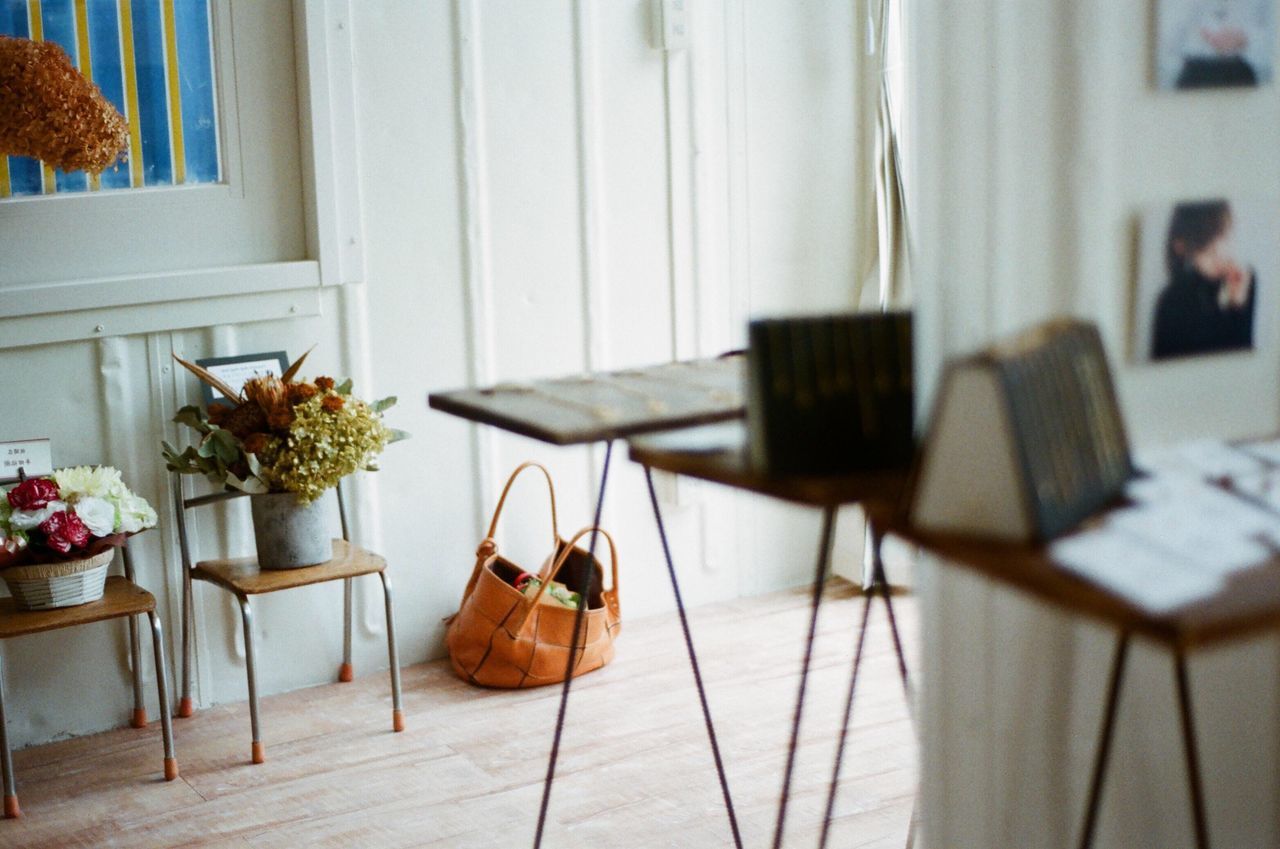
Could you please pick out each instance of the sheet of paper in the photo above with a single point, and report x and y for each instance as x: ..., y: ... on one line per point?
x: 1202, y: 458
x: 1146, y: 575
x: 1219, y: 540
x: 1266, y: 450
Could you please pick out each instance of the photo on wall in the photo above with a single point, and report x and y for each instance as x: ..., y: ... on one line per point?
x: 1214, y: 43
x: 1208, y: 272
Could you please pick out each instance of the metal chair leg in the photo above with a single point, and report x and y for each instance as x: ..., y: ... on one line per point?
x: 1189, y: 747
x: 162, y: 690
x: 397, y: 711
x: 185, y: 707
x: 815, y: 601
x: 257, y: 755
x: 139, y: 719
x: 11, y: 809
x: 1104, y: 743
x: 346, y: 672
x: 693, y: 663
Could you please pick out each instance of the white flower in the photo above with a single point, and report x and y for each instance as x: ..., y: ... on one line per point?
x: 79, y: 481
x: 98, y: 515
x: 25, y: 520
x: 136, y: 514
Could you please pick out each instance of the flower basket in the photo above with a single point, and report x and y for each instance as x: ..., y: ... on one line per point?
x: 63, y: 583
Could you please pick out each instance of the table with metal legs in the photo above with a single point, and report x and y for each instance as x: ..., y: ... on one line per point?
x: 602, y: 408
x: 1247, y: 606
x: 687, y: 453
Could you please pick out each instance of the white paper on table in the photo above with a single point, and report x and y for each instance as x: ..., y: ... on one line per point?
x: 1146, y: 575
x: 1267, y: 450
x: 1218, y: 537
x: 1202, y: 458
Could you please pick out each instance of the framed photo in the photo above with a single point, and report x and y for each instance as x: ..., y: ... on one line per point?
x: 1214, y: 43
x: 234, y: 371
x: 1207, y: 277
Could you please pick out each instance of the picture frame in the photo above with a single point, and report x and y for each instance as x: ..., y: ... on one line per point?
x: 235, y: 370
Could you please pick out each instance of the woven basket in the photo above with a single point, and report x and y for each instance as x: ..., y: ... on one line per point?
x: 44, y: 586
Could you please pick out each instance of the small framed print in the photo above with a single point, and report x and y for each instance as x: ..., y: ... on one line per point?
x: 234, y: 371
x: 32, y: 457
x: 1213, y: 44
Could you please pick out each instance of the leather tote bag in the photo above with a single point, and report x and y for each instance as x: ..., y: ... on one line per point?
x: 501, y: 637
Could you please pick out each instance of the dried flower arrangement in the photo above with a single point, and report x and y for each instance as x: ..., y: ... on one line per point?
x: 282, y: 434
x: 50, y: 111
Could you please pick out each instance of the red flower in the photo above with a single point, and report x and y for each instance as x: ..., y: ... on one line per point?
x: 33, y: 494
x: 64, y: 531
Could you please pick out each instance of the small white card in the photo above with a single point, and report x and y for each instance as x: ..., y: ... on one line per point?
x: 33, y: 456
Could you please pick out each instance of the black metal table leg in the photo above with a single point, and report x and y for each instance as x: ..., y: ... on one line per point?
x: 815, y: 601
x: 693, y: 663
x: 1189, y: 747
x: 1104, y: 742
x: 879, y: 582
x: 868, y: 594
x: 574, y: 654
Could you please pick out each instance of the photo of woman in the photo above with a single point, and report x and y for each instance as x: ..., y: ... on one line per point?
x: 1203, y: 267
x: 1214, y: 43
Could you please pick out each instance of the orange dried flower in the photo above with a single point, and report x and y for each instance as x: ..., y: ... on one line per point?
x: 50, y: 111
x: 324, y: 384
x: 218, y: 413
x: 332, y: 402
x: 281, y: 418
x: 255, y: 443
x: 299, y: 392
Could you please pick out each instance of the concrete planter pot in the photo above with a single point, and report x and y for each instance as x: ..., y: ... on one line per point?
x: 289, y: 535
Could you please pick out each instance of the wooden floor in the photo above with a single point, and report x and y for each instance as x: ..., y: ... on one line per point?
x: 635, y: 770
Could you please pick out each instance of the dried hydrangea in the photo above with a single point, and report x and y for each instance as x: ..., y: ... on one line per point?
x: 326, y: 442
x: 50, y: 111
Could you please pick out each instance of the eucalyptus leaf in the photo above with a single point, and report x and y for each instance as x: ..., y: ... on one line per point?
x: 397, y: 435
x: 343, y: 388
x: 383, y: 404
x: 193, y: 417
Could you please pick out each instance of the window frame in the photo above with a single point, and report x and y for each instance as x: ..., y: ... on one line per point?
x: 160, y: 301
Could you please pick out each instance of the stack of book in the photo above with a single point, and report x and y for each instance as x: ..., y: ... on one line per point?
x: 830, y: 394
x: 1026, y: 438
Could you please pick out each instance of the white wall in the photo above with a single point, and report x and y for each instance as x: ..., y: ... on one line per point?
x: 1039, y: 138
x: 543, y: 192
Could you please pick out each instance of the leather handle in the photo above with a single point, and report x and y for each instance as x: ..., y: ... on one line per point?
x: 488, y: 548
x: 562, y: 559
x: 502, y: 500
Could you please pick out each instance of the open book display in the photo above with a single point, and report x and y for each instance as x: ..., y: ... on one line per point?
x: 1026, y: 439
x: 831, y: 394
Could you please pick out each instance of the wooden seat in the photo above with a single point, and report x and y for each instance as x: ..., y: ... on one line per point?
x: 242, y: 575
x: 121, y: 598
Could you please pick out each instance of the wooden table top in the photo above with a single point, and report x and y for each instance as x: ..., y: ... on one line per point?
x: 718, y: 454
x: 1247, y: 605
x: 607, y: 405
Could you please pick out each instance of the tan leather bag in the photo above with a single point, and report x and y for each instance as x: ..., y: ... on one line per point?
x: 501, y: 638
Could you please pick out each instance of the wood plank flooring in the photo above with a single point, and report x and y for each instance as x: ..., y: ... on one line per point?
x: 635, y: 769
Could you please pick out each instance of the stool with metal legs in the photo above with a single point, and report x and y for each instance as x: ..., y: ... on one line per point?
x: 243, y: 579
x: 121, y: 598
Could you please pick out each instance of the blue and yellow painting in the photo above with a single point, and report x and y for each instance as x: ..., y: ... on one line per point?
x: 153, y: 59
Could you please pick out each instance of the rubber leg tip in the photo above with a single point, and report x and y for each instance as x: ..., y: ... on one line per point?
x: 170, y: 769
x: 11, y: 809
x: 259, y: 753
x: 139, y: 719
x: 185, y: 708
x: 397, y: 720
x: 346, y: 674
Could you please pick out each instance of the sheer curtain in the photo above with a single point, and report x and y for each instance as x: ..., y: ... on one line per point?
x: 885, y: 39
